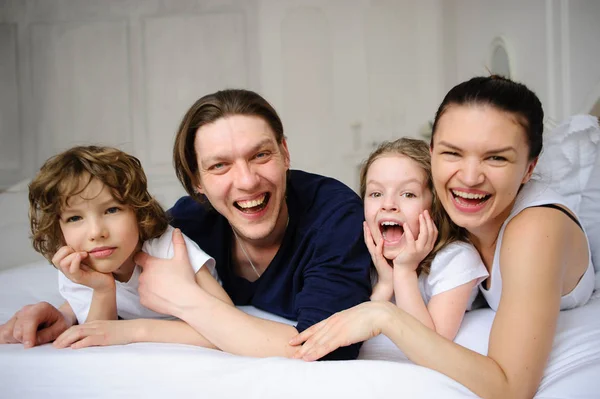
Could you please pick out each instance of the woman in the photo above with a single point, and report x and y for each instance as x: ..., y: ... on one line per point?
x: 486, y: 140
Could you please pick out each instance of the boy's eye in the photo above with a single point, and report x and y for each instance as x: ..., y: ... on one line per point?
x: 113, y: 209
x: 72, y: 219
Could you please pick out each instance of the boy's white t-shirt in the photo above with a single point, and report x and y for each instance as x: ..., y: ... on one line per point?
x: 455, y: 265
x: 128, y: 300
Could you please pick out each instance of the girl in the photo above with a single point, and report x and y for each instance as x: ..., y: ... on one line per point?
x: 487, y: 137
x: 90, y: 213
x: 435, y: 286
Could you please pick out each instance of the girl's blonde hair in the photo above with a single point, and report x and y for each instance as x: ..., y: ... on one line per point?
x: 418, y: 151
x: 61, y: 177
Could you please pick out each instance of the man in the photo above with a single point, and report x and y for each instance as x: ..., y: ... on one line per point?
x: 286, y: 242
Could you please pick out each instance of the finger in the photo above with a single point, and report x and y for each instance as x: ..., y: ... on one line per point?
x: 142, y: 259
x: 65, y: 264
x: 179, y: 247
x: 369, y: 242
x: 423, y: 232
x: 90, y: 340
x: 68, y: 337
x: 432, y: 228
x: 26, y: 331
x: 7, y: 331
x: 410, y: 238
x: 306, y: 334
x: 50, y: 333
x: 60, y: 254
x: 74, y: 268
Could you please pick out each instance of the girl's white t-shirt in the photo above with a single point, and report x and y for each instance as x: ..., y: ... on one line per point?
x: 455, y: 265
x: 128, y: 300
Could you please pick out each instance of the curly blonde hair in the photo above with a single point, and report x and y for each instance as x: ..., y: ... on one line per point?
x: 418, y: 151
x: 60, y: 178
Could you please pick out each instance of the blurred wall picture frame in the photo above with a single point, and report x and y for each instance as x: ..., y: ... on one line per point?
x: 500, y: 60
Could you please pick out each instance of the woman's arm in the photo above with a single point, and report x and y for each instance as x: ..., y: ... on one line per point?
x: 533, y: 257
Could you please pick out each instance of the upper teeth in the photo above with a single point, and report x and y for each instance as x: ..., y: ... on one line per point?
x: 252, y: 203
x: 468, y: 195
x: 386, y: 223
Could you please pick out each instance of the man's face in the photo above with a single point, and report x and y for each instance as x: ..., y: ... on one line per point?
x: 242, y: 172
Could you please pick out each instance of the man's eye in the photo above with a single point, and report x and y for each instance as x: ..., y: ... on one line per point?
x: 261, y: 154
x: 217, y: 166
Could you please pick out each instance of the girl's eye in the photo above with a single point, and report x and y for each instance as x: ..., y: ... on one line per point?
x: 408, y: 195
x: 113, y: 209
x: 72, y: 219
x: 375, y: 194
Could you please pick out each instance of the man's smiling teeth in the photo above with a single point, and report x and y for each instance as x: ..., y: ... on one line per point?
x: 252, y: 203
x: 468, y: 195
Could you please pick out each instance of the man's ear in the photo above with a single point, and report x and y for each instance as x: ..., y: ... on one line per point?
x: 286, y: 153
x: 529, y: 171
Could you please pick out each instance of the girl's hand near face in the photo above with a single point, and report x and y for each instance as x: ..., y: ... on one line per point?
x: 384, y: 289
x: 69, y: 262
x: 414, y: 251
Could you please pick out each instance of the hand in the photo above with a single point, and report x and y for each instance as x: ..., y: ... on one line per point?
x: 34, y: 325
x: 414, y: 251
x: 98, y: 333
x: 383, y: 266
x: 350, y: 326
x: 165, y: 284
x: 69, y: 262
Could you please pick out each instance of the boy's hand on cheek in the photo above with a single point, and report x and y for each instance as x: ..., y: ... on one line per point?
x: 70, y: 263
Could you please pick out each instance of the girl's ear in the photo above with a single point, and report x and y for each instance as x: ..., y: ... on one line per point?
x: 529, y: 171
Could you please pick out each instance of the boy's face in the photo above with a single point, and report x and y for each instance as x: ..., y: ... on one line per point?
x: 242, y: 172
x: 396, y: 194
x: 94, y: 222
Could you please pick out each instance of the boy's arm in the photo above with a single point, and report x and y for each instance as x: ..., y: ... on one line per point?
x: 104, y: 304
x: 207, y: 282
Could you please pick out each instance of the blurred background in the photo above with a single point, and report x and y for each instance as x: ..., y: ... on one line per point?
x: 343, y: 74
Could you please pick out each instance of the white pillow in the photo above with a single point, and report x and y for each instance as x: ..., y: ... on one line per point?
x: 570, y: 164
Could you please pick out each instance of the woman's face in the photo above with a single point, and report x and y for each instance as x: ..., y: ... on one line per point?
x: 479, y: 159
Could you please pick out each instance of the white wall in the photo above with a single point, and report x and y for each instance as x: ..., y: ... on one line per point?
x: 344, y: 74
x: 553, y: 45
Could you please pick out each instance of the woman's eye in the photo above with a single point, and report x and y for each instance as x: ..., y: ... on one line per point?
x: 497, y: 158
x: 450, y: 153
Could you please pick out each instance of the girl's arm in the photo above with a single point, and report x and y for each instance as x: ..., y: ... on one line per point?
x: 536, y: 249
x: 445, y: 311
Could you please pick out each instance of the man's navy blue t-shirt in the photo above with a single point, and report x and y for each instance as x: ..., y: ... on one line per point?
x: 322, y: 266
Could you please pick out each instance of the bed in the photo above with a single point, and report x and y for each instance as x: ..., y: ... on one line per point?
x: 161, y: 370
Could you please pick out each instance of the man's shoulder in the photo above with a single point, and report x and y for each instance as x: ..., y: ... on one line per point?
x: 320, y: 191
x: 191, y: 216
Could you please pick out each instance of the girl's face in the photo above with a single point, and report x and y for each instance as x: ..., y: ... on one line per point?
x: 479, y: 159
x: 396, y: 193
x: 94, y: 222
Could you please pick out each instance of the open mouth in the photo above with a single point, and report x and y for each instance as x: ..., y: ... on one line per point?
x: 254, y: 205
x: 469, y: 199
x: 391, y: 231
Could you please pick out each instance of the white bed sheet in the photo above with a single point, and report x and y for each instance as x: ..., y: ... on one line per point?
x: 161, y: 370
